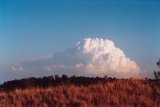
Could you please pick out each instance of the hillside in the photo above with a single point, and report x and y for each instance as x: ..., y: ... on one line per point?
x: 80, y: 92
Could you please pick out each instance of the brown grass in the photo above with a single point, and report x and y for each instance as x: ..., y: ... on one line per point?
x: 120, y: 93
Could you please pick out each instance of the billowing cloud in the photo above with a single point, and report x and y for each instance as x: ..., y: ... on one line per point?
x: 93, y: 56
x: 102, y: 57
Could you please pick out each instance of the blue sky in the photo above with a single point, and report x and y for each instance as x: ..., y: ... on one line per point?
x: 30, y: 28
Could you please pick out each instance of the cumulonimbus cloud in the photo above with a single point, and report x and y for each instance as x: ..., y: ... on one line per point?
x: 101, y: 56
x: 93, y: 56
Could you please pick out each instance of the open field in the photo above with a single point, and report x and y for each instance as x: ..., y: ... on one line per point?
x: 100, y: 93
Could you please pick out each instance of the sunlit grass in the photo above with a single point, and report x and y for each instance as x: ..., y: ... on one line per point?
x: 120, y: 93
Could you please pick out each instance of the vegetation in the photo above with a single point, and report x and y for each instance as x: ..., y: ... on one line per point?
x: 64, y: 91
x: 157, y: 74
x: 80, y: 92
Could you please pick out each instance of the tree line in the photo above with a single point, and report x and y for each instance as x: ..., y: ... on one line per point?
x: 55, y: 80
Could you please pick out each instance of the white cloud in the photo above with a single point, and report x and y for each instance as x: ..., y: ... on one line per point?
x: 91, y: 57
x: 16, y: 68
x: 102, y: 56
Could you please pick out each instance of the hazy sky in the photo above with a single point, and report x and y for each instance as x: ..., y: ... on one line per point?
x: 34, y: 28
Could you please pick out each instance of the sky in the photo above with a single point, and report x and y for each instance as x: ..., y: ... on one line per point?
x: 30, y: 29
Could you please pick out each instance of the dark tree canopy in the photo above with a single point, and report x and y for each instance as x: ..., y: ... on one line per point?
x: 158, y: 63
x: 157, y: 74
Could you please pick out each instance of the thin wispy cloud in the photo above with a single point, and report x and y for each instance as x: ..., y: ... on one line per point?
x: 16, y: 68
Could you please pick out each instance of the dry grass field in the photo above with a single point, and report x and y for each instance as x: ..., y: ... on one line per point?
x: 117, y: 93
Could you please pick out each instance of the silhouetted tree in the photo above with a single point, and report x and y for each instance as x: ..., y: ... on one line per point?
x: 48, y: 81
x: 65, y: 77
x: 158, y: 63
x: 105, y: 77
x: 57, y: 77
x: 157, y: 74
